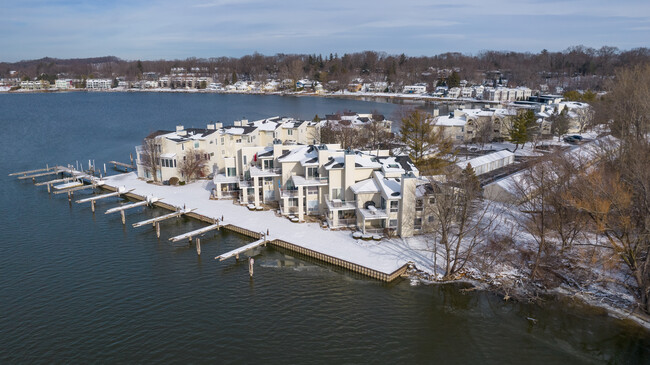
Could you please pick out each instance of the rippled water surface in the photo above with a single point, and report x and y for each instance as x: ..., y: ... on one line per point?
x: 78, y: 288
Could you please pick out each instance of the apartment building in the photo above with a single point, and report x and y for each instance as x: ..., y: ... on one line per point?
x: 273, y: 161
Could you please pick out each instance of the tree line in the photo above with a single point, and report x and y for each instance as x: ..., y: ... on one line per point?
x: 576, y: 67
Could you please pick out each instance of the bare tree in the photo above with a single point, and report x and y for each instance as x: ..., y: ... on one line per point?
x: 533, y: 191
x: 485, y: 133
x: 461, y: 219
x: 194, y: 164
x: 150, y: 156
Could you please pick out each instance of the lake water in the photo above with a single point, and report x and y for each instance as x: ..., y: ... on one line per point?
x: 80, y: 288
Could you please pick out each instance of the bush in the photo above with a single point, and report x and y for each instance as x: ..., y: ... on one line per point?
x: 181, y: 183
x: 173, y: 181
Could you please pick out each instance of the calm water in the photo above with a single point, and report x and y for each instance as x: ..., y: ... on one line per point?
x: 78, y: 288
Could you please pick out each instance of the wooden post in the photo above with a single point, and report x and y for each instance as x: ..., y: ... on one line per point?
x: 157, y: 229
x: 123, y: 216
x: 251, y: 261
x: 49, y: 188
x: 190, y: 239
x: 92, y: 205
x: 198, y: 246
x: 69, y: 197
x: 104, y: 167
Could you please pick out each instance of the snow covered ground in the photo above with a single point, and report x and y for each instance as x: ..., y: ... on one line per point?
x: 385, y: 256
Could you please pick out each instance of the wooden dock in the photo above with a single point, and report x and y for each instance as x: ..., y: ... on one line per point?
x: 55, y: 181
x: 38, y: 175
x: 197, y: 232
x: 47, y: 168
x: 161, y: 218
x: 121, y: 164
x: 236, y: 252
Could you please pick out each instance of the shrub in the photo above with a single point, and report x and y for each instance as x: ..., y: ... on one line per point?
x: 173, y: 181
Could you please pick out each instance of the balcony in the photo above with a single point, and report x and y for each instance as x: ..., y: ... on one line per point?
x: 289, y: 193
x: 338, y: 204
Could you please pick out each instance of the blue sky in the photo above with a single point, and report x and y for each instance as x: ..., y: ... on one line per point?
x: 168, y: 29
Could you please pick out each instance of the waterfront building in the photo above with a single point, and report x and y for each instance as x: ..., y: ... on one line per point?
x: 278, y: 162
x: 99, y: 84
x: 415, y: 89
x: 64, y: 84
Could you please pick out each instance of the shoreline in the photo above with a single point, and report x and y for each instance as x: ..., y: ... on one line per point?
x: 361, y: 96
x: 523, y: 292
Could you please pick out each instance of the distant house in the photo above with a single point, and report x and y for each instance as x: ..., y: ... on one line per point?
x: 415, y: 89
x: 99, y: 84
x: 64, y: 84
x: 35, y: 85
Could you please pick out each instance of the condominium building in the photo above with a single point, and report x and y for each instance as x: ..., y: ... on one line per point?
x: 276, y: 162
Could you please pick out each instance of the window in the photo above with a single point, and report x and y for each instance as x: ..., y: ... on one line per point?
x: 432, y: 200
x: 231, y: 171
x: 238, y: 140
x: 336, y: 194
x: 290, y: 132
x: 419, y: 205
x: 244, y: 160
x: 417, y: 223
x: 430, y: 219
x: 312, y: 190
x: 183, y: 147
x: 312, y: 172
x: 196, y: 144
x: 222, y: 140
x: 394, y: 206
x: 174, y: 162
x: 392, y: 223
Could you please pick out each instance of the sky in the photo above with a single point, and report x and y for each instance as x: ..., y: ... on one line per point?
x: 178, y: 29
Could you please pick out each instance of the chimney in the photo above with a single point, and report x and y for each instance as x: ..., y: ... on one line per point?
x: 180, y: 130
x: 211, y: 127
x: 218, y: 125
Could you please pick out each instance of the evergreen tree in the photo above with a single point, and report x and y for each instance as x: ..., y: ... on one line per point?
x: 427, y: 146
x: 453, y: 80
x: 234, y: 77
x: 519, y: 129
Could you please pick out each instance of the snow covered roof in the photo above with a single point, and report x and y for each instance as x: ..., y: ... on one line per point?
x: 391, y: 188
x: 365, y: 186
x: 302, y: 154
x: 448, y: 121
x: 486, y: 159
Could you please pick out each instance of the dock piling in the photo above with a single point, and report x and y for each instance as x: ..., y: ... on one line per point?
x: 198, y: 246
x: 157, y: 229
x: 123, y: 217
